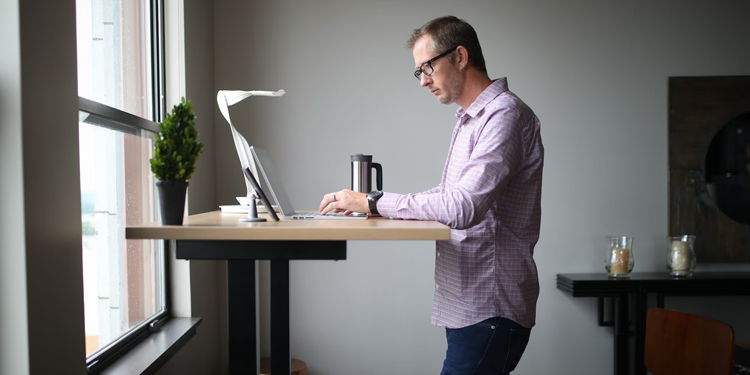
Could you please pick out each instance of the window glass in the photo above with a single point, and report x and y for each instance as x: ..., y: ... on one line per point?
x: 114, y: 58
x: 123, y: 279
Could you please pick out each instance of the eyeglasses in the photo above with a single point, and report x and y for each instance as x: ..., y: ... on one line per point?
x: 426, y: 68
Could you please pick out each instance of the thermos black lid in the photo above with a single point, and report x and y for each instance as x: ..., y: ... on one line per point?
x: 360, y: 157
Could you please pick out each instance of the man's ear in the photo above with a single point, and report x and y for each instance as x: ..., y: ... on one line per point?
x: 463, y: 57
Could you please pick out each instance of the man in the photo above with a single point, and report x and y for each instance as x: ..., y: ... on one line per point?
x: 486, y: 284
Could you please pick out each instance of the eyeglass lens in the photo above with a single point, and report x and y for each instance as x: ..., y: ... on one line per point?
x: 426, y: 68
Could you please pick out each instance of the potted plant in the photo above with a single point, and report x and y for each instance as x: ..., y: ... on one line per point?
x: 175, y: 156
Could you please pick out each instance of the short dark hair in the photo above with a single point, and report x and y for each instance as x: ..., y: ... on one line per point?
x: 450, y: 32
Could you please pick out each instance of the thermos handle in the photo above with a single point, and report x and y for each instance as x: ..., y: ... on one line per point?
x: 379, y: 169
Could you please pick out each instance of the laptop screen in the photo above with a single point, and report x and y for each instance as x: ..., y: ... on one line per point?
x: 266, y: 168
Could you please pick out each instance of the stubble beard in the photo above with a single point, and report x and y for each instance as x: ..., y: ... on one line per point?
x: 454, y: 87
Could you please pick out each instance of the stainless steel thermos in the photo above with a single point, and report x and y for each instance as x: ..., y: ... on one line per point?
x: 362, y: 166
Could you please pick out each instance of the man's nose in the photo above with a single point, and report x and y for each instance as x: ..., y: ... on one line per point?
x: 425, y: 80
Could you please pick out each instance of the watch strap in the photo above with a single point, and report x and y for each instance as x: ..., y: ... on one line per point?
x: 372, y: 199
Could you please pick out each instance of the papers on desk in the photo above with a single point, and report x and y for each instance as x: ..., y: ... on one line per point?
x: 237, y: 209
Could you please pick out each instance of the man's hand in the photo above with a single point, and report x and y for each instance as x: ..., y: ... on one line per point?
x: 345, y: 201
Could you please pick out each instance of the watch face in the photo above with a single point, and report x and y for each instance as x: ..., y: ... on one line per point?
x: 374, y: 195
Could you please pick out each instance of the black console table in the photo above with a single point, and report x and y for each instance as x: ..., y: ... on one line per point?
x: 637, y: 288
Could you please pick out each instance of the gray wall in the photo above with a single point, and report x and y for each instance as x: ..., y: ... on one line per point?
x: 596, y: 75
x: 14, y: 352
x: 41, y: 289
x: 195, y: 285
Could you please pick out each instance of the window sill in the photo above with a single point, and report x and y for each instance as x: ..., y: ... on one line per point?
x: 149, y: 355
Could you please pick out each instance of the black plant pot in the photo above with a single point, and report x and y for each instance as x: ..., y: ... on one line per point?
x: 172, y: 201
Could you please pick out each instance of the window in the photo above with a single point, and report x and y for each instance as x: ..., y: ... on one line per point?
x: 120, y: 86
x: 120, y: 53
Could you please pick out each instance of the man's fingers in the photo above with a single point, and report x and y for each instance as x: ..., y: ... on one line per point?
x: 330, y: 207
x: 327, y: 199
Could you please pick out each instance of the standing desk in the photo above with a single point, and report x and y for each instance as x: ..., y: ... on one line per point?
x: 218, y: 236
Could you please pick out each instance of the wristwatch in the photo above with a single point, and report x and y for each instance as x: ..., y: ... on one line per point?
x: 372, y: 198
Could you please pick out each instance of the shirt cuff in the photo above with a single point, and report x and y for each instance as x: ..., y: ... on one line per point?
x: 387, y: 205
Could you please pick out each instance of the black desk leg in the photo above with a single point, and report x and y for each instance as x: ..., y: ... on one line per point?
x: 641, y: 307
x: 600, y: 311
x: 281, y: 361
x: 244, y: 357
x: 622, y: 336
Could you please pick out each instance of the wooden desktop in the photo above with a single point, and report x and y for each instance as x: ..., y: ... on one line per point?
x: 220, y: 236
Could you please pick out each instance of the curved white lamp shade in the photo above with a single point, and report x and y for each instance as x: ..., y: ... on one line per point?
x: 226, y: 98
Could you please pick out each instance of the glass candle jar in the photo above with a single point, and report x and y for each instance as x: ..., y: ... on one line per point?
x: 618, y: 260
x: 681, y: 255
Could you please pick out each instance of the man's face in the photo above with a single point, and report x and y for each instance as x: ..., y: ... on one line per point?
x: 445, y: 82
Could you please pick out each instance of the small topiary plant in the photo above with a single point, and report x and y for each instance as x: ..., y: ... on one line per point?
x: 177, y: 148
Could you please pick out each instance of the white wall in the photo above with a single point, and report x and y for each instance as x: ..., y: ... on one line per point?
x: 596, y: 75
x: 41, y: 288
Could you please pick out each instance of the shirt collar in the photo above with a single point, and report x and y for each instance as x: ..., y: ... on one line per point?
x: 497, y: 87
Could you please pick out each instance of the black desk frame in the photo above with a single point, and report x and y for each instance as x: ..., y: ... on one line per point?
x: 242, y: 296
x: 638, y: 287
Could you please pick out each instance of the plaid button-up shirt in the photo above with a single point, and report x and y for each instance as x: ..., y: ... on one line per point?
x: 490, y: 196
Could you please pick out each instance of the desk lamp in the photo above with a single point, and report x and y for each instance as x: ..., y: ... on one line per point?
x: 226, y: 98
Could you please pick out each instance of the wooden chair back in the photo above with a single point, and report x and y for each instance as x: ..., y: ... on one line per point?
x: 686, y: 344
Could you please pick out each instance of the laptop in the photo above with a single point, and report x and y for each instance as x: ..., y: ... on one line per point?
x: 278, y: 194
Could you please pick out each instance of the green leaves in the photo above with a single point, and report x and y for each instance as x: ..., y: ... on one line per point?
x: 176, y: 146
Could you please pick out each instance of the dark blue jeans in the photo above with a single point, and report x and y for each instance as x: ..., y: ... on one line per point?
x: 490, y: 347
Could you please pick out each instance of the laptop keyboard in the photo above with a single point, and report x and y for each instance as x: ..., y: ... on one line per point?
x: 313, y: 215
